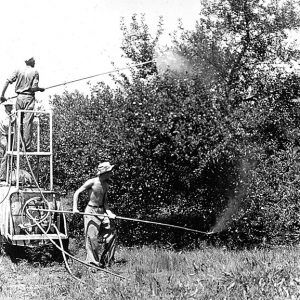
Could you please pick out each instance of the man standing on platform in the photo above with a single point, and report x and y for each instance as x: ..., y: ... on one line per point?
x: 27, y: 83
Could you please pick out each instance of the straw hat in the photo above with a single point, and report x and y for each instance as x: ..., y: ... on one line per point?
x: 104, y: 167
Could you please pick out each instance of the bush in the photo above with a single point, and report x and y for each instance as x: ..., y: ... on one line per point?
x: 212, y: 148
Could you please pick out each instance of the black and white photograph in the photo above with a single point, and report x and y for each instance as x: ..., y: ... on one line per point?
x: 150, y: 149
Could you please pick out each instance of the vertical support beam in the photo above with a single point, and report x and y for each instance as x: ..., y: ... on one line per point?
x: 38, y: 145
x: 8, y: 149
x: 18, y: 148
x: 51, y: 150
x: 38, y: 134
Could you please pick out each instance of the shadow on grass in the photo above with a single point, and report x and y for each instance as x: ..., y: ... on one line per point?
x: 40, y: 255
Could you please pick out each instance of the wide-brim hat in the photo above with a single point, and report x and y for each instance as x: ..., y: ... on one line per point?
x: 104, y: 167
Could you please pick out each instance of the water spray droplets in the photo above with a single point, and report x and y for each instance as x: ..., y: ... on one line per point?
x: 173, y: 62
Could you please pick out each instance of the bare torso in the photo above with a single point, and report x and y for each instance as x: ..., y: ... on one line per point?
x: 97, y: 192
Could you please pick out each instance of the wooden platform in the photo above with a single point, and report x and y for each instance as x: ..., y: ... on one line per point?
x: 31, y: 237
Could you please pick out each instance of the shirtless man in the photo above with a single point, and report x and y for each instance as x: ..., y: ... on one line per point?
x: 98, y: 227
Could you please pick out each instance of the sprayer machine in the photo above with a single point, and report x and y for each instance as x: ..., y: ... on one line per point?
x: 23, y: 193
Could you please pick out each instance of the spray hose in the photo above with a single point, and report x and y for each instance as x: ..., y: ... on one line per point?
x: 60, y: 247
x: 64, y: 253
x: 91, y: 76
x: 126, y: 219
x: 45, y: 232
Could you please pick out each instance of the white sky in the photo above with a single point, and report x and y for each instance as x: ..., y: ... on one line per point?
x: 71, y: 39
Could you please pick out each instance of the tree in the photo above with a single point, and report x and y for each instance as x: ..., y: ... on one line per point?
x: 238, y: 43
x: 198, y: 147
x: 239, y: 50
x: 139, y: 46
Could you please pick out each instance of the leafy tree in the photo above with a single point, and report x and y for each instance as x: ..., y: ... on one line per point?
x: 238, y: 43
x: 202, y: 147
x: 138, y: 45
x: 238, y: 50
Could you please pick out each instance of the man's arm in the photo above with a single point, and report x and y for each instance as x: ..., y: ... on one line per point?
x: 35, y: 84
x: 110, y: 214
x: 87, y: 185
x: 37, y: 89
x: 9, y: 81
x: 4, y: 90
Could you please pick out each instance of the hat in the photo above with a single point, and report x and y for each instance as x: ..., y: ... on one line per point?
x: 104, y: 167
x: 29, y: 60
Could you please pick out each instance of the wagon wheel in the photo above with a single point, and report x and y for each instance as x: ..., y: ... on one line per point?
x: 30, y: 217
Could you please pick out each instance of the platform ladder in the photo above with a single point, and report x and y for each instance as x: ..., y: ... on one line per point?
x: 15, y: 148
x: 22, y: 205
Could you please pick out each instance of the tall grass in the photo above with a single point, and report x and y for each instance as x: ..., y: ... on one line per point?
x: 153, y: 273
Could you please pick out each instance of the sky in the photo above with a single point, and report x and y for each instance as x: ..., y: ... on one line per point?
x: 71, y: 39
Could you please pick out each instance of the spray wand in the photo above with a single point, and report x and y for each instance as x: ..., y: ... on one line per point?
x: 126, y: 219
x: 88, y: 77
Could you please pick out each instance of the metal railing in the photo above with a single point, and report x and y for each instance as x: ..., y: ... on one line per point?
x: 16, y: 148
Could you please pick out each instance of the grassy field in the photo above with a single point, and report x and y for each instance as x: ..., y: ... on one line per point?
x: 209, y: 273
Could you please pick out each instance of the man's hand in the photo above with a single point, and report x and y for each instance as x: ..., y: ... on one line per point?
x: 75, y: 211
x: 36, y: 89
x: 110, y: 214
x: 296, y: 100
x: 2, y: 99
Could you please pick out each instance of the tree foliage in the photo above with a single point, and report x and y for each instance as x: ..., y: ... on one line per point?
x: 212, y: 147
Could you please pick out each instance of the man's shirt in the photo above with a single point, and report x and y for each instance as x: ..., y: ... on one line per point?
x: 25, y: 79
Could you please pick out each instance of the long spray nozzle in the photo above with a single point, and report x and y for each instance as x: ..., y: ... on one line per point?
x: 91, y: 76
x: 104, y: 73
x: 126, y: 219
